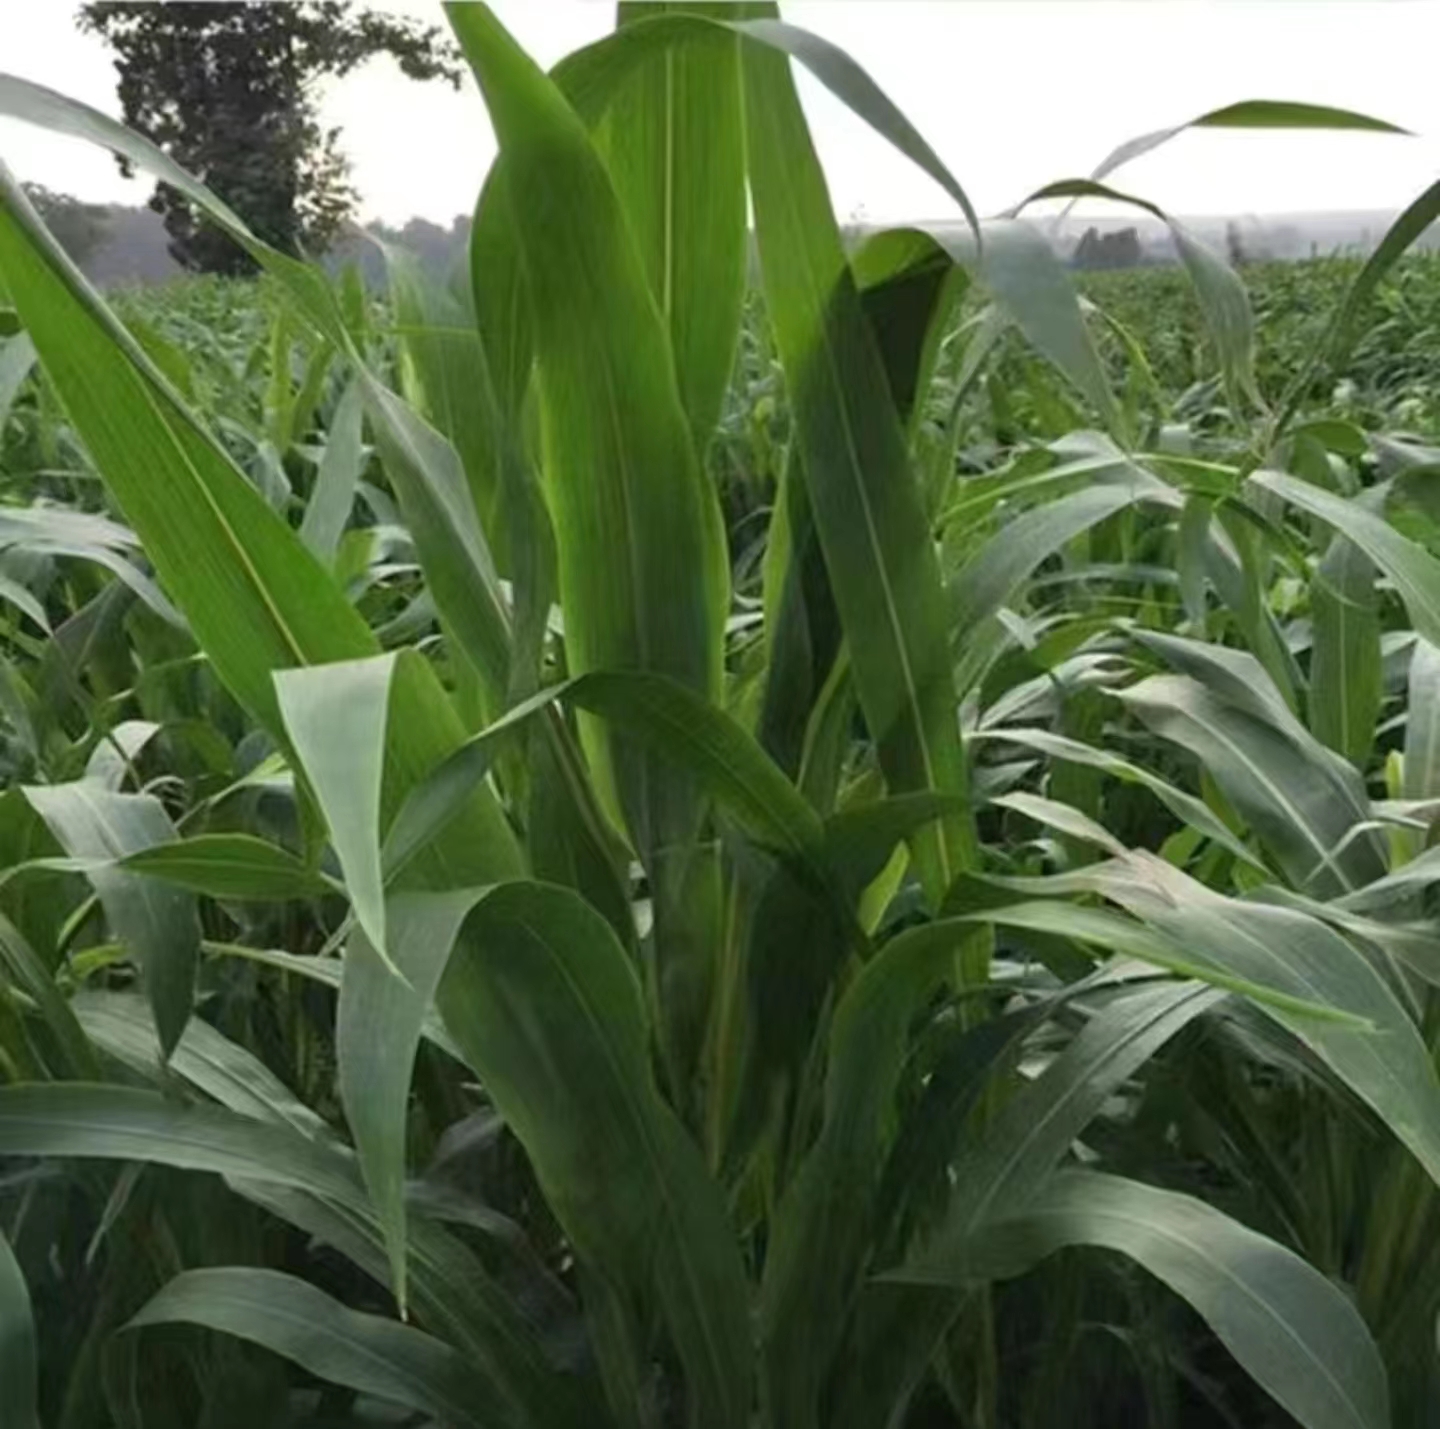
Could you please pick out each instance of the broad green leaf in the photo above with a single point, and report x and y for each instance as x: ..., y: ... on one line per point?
x: 1239, y: 678
x: 363, y: 1352
x: 338, y: 475
x: 19, y: 1357
x: 1345, y: 668
x: 641, y: 552
x: 640, y: 542
x: 237, y: 866
x: 577, y: 1089
x: 377, y: 1034
x: 1291, y: 1329
x: 909, y: 288
x: 156, y: 924
x: 865, y: 501
x: 335, y: 716
x: 592, y: 78
x: 446, y: 376
x: 673, y: 140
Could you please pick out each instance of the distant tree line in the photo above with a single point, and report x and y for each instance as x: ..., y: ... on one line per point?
x: 1120, y: 249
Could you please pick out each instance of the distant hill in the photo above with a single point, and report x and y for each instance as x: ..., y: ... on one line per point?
x: 1127, y: 242
x: 133, y: 249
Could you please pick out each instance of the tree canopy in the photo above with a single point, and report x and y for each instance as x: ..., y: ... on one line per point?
x: 228, y: 90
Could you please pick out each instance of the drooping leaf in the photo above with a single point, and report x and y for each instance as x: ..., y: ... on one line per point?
x: 117, y: 1023
x: 79, y: 1119
x: 1032, y: 287
x: 1301, y: 800
x: 1293, y: 1331
x: 1388, y: 1067
x: 992, y: 574
x: 156, y: 924
x: 1415, y: 572
x: 1011, y: 1161
x: 1224, y: 303
x: 1185, y: 807
x: 362, y: 1352
x: 1248, y: 114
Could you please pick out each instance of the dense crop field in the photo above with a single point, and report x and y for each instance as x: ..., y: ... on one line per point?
x: 581, y: 846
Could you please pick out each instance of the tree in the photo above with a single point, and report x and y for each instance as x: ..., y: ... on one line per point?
x: 79, y: 227
x: 227, y: 90
x: 1108, y: 250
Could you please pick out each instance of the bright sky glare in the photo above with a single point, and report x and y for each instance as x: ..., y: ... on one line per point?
x: 1011, y: 93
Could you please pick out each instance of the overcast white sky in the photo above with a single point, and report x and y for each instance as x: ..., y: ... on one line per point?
x: 1012, y: 93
